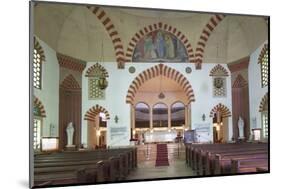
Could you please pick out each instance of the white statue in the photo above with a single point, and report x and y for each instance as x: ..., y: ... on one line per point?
x: 70, y: 132
x: 241, y: 127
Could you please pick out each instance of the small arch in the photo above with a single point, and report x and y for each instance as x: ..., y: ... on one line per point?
x: 178, y: 114
x: 177, y: 101
x: 264, y: 50
x: 159, y: 26
x: 96, y: 70
x: 142, y: 115
x: 225, y: 112
x: 218, y: 70
x: 94, y: 111
x: 70, y: 83
x: 264, y: 103
x: 239, y: 82
x: 71, y: 63
x: 39, y: 49
x: 38, y: 108
x: 142, y: 102
x: 159, y: 69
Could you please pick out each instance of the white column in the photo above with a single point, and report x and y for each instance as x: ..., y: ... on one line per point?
x: 186, y: 118
x: 151, y: 118
x: 169, y: 118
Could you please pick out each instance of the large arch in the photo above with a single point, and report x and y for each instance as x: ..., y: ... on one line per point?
x: 157, y: 70
x: 225, y: 112
x: 94, y: 111
x: 206, y: 33
x: 156, y: 26
x: 112, y: 32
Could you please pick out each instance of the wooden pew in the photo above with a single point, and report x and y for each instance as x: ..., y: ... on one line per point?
x: 249, y: 165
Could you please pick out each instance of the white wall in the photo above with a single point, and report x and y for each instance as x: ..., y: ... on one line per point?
x: 49, y: 93
x: 256, y: 92
x: 120, y: 79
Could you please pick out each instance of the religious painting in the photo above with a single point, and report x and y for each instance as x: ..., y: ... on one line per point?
x: 160, y: 46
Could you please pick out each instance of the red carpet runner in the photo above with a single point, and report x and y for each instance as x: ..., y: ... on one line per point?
x: 162, y: 155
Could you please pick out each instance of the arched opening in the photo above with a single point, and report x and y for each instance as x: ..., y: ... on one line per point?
x: 159, y: 98
x: 69, y: 110
x: 160, y: 115
x: 38, y: 118
x: 97, y: 118
x: 220, y: 114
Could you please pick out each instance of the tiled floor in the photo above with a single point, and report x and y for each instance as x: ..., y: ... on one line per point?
x: 177, y: 168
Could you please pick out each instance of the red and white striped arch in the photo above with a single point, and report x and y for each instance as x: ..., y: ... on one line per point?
x: 112, y: 32
x: 39, y: 104
x: 264, y: 103
x: 157, y: 70
x: 206, y: 33
x: 94, y: 111
x: 224, y: 111
x: 70, y: 83
x: 156, y: 26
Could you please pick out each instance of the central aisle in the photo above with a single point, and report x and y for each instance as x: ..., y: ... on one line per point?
x: 146, y: 163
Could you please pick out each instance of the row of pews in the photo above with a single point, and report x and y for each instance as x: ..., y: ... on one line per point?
x: 229, y: 158
x: 80, y: 167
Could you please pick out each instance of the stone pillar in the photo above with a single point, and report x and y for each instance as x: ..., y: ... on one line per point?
x: 133, y: 121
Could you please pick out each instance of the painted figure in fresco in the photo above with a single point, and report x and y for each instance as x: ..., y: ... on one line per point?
x: 160, y: 45
x: 170, y: 49
x: 149, y: 48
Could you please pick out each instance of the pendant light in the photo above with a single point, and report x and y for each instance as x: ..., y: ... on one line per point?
x: 161, y: 94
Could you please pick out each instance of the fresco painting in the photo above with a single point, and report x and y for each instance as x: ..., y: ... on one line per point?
x: 160, y: 46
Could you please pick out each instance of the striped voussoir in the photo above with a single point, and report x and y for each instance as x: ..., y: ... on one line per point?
x: 94, y: 67
x: 159, y: 26
x: 70, y: 83
x: 206, y: 33
x: 218, y: 70
x: 39, y: 49
x: 222, y: 109
x: 94, y: 111
x: 71, y: 63
x: 263, y: 51
x: 112, y: 32
x: 239, y: 82
x: 37, y: 103
x: 157, y: 70
x: 264, y: 103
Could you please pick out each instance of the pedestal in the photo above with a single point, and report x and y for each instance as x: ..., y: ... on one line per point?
x: 70, y: 147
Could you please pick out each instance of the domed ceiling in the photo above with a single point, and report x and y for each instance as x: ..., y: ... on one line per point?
x: 111, y: 34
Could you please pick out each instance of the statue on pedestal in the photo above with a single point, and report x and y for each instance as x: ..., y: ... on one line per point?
x: 241, y: 127
x: 70, y: 132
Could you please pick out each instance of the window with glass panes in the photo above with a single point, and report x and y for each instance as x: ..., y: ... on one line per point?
x: 37, y: 70
x: 37, y: 133
x: 265, y: 124
x: 264, y: 69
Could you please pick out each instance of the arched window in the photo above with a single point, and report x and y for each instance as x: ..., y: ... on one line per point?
x: 160, y: 115
x: 219, y: 74
x: 38, y: 58
x: 95, y: 74
x: 142, y: 115
x: 263, y: 60
x: 264, y: 115
x: 177, y: 114
x: 38, y: 115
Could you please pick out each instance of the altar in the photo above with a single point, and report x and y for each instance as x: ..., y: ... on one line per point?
x: 160, y: 136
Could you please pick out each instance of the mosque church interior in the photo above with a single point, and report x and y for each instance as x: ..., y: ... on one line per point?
x: 124, y: 94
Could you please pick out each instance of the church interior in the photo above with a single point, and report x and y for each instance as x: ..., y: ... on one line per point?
x: 124, y: 94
